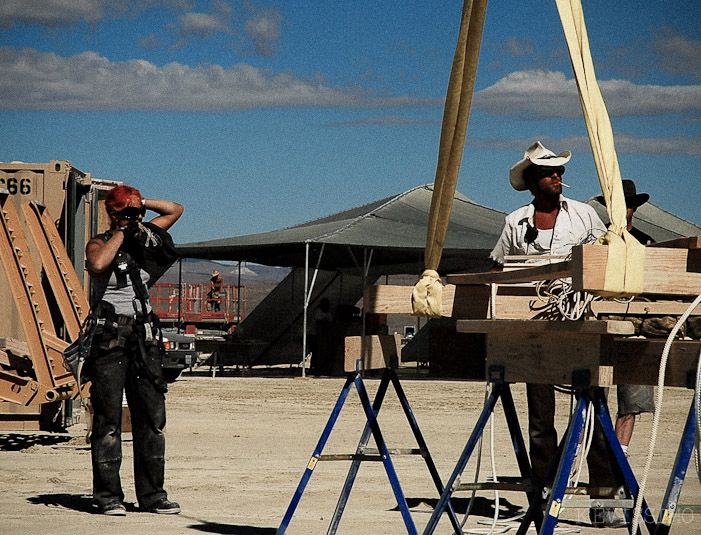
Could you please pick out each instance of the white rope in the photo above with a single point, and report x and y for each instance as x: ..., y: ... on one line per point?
x: 588, y: 436
x: 697, y: 406
x: 563, y: 300
x: 468, y: 510
x: 658, y: 410
x: 495, y: 519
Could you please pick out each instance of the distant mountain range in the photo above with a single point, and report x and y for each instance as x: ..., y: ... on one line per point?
x: 200, y: 271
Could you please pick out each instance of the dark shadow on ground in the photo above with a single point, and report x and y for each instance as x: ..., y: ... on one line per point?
x: 481, y: 506
x: 76, y: 502
x: 23, y: 441
x: 232, y: 529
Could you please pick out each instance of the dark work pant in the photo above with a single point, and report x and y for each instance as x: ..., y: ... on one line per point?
x: 114, y: 371
x: 543, y: 438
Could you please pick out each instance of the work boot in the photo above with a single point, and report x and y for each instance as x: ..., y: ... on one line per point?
x: 164, y: 507
x: 113, y: 509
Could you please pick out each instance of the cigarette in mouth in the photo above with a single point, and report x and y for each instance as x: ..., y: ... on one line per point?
x: 565, y: 185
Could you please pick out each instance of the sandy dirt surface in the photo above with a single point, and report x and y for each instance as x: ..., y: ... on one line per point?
x: 238, y: 445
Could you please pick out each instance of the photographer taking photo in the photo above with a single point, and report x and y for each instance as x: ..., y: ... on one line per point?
x: 127, y: 349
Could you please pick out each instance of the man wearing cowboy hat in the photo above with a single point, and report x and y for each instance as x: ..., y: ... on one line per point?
x: 633, y: 201
x: 552, y: 224
x: 632, y: 399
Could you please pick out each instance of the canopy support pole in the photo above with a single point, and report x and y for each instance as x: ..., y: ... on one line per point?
x: 180, y: 295
x: 308, y: 289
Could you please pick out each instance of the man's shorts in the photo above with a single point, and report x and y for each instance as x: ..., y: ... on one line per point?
x: 635, y: 399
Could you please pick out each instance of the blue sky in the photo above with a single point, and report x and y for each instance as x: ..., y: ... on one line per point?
x: 261, y: 115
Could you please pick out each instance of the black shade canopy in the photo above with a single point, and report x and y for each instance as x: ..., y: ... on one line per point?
x: 393, y: 230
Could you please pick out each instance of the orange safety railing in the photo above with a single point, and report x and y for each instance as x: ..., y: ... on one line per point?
x: 191, y: 303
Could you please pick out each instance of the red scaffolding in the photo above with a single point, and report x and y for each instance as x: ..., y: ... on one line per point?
x: 190, y: 304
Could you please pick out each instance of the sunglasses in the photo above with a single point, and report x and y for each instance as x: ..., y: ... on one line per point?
x: 130, y: 213
x: 547, y: 170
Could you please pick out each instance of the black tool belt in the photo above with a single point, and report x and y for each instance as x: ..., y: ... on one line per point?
x: 106, y: 311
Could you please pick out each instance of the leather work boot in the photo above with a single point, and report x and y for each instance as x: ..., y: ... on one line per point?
x: 113, y: 509
x: 164, y: 507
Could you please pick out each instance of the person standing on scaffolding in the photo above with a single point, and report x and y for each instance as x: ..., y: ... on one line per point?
x: 214, y: 294
x: 127, y: 351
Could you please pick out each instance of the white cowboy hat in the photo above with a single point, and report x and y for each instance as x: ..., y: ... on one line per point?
x: 538, y: 155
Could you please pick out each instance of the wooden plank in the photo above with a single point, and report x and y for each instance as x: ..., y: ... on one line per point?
x: 508, y: 326
x: 469, y: 301
x: 14, y: 417
x: 373, y: 351
x: 557, y: 270
x: 637, y: 361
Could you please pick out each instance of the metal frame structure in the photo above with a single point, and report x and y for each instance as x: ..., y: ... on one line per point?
x: 63, y: 279
x: 51, y: 381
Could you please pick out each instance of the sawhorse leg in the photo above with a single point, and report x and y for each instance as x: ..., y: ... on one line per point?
x: 676, y: 480
x: 500, y: 390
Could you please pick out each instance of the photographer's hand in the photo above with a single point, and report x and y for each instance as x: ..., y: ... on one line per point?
x: 131, y: 230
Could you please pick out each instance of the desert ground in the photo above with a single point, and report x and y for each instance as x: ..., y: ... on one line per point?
x: 238, y: 444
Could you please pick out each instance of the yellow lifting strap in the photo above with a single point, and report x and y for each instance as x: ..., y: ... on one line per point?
x: 426, y: 298
x: 626, y: 256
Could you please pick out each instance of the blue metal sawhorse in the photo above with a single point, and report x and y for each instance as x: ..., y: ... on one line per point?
x: 371, y: 428
x: 545, y: 522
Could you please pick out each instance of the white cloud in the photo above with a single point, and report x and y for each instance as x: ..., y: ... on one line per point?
x: 679, y: 54
x: 90, y: 82
x: 677, y: 145
x: 50, y: 13
x: 389, y: 120
x: 541, y: 94
x: 263, y: 29
x: 201, y: 24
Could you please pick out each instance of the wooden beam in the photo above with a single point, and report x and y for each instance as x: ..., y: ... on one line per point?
x: 557, y: 270
x: 593, y: 327
x: 550, y: 357
x: 374, y: 351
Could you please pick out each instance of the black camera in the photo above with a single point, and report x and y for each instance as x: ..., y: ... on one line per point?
x: 131, y: 213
